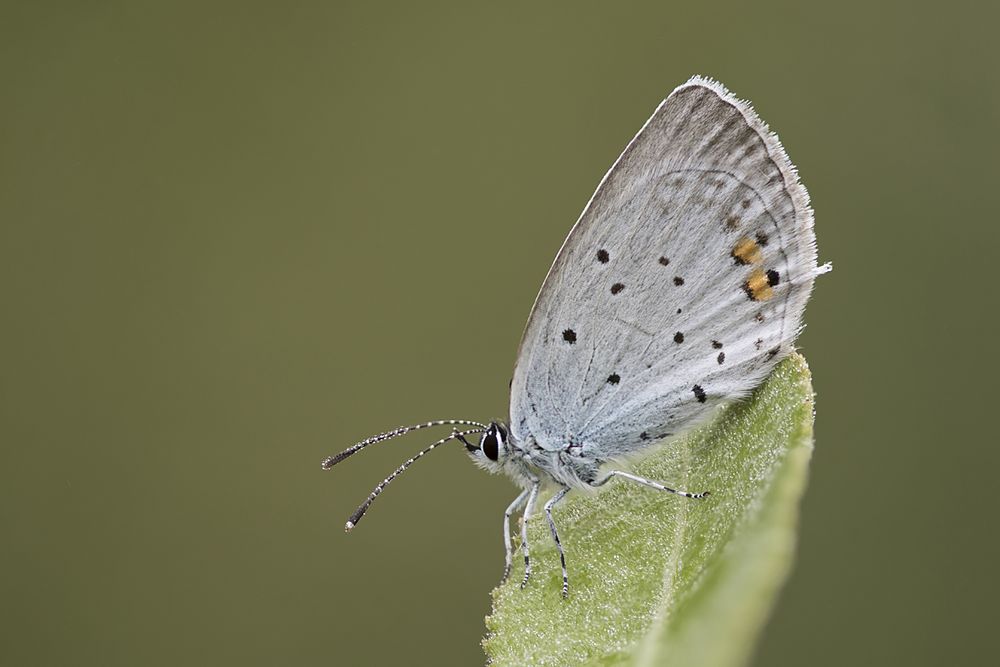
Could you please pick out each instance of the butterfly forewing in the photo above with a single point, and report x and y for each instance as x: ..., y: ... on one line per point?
x: 682, y: 284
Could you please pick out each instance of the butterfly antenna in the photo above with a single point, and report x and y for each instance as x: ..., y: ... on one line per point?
x: 331, y: 461
x: 360, y: 512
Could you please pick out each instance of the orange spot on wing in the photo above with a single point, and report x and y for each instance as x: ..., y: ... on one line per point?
x: 757, y: 286
x: 746, y: 251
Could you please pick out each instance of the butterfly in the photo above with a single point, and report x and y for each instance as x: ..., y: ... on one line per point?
x: 680, y: 287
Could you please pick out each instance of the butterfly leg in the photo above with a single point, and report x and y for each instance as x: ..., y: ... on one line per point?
x: 506, y: 532
x: 555, y: 536
x: 648, y: 482
x: 529, y: 509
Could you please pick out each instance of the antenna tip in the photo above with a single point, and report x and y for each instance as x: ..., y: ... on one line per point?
x: 348, y: 526
x: 327, y: 463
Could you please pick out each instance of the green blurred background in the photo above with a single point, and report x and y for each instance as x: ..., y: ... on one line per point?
x: 235, y: 238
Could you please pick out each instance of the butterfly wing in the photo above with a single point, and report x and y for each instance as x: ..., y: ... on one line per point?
x: 681, y: 285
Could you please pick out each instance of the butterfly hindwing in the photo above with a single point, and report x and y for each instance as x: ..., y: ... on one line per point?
x: 682, y: 284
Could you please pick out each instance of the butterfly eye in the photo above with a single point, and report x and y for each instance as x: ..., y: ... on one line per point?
x: 490, y: 444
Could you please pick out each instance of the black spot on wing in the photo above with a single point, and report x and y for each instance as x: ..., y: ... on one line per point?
x: 678, y: 281
x: 717, y: 345
x: 721, y: 358
x: 614, y: 378
x: 699, y: 393
x: 569, y: 336
x: 773, y: 277
x: 678, y: 337
x: 602, y: 256
x: 617, y: 287
x: 664, y: 261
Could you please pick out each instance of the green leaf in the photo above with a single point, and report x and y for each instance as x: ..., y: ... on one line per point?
x: 656, y: 579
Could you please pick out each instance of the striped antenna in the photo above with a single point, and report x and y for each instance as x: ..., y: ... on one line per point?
x: 331, y: 461
x: 360, y: 512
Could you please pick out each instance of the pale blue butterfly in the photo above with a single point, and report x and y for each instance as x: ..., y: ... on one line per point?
x: 681, y: 286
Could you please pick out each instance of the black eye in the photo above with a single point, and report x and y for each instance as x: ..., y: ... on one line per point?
x: 490, y: 446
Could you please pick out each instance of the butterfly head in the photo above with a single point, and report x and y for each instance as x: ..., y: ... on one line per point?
x: 492, y: 449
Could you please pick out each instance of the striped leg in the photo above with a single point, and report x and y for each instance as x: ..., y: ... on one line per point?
x: 648, y: 482
x: 555, y: 536
x: 509, y: 549
x: 529, y: 509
